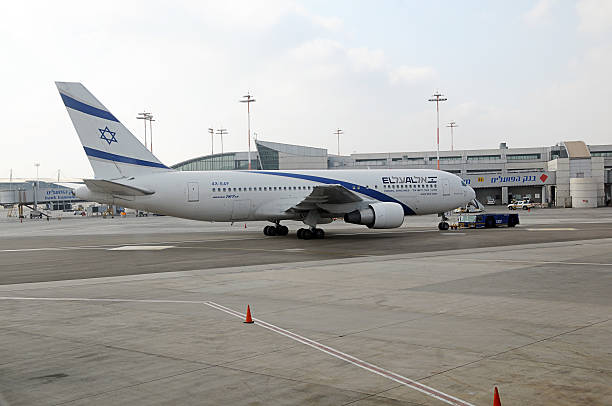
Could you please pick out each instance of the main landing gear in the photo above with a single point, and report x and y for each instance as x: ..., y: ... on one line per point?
x: 271, y: 231
x: 302, y: 233
x: 443, y: 225
x: 307, y: 234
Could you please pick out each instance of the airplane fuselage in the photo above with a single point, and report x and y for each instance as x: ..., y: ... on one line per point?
x: 268, y: 195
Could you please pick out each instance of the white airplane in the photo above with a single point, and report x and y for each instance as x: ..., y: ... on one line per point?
x: 129, y: 175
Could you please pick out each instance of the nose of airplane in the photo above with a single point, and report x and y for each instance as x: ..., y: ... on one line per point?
x: 472, y: 193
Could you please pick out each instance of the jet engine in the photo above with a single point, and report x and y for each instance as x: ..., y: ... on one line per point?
x: 378, y: 215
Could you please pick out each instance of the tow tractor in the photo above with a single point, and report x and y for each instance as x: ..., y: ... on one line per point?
x: 487, y: 220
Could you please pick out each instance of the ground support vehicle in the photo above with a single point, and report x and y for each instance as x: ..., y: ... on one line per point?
x: 521, y: 204
x: 487, y: 220
x: 36, y: 214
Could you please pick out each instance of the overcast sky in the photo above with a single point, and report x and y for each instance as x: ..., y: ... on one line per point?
x: 530, y: 73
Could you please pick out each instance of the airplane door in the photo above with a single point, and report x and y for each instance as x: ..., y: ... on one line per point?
x: 445, y: 188
x: 241, y: 209
x: 193, y: 192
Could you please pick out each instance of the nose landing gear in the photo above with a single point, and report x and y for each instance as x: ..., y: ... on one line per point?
x: 443, y: 225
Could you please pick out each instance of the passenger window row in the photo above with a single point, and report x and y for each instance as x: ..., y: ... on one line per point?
x: 426, y: 186
x: 261, y: 188
x: 279, y: 188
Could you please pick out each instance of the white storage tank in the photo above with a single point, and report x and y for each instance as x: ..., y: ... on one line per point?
x: 584, y: 192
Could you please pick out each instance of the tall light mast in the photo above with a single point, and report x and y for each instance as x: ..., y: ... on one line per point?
x: 212, y: 141
x: 248, y: 99
x: 221, y: 132
x: 151, y: 119
x: 338, y: 132
x: 144, y: 116
x: 437, y: 97
x: 452, y: 125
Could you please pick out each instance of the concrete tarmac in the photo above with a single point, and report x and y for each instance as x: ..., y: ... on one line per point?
x: 143, y: 311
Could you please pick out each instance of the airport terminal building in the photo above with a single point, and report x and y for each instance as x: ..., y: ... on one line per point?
x: 570, y: 174
x: 269, y: 155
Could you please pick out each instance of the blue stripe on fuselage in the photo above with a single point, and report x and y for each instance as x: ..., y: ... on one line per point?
x: 375, y: 194
x: 86, y: 108
x: 96, y: 153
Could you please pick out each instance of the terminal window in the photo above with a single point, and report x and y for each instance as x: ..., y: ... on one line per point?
x: 522, y: 157
x: 483, y: 157
x: 446, y: 158
x: 371, y: 162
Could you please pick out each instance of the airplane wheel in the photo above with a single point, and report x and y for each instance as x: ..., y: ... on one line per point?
x: 282, y: 230
x: 299, y: 233
x: 270, y: 231
x: 306, y: 234
x: 319, y: 233
x: 443, y: 226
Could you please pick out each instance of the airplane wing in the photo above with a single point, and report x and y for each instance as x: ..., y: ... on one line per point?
x: 331, y: 198
x: 114, y: 188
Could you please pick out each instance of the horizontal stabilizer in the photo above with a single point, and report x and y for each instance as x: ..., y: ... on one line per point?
x: 114, y: 188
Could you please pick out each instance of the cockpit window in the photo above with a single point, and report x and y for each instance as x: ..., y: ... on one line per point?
x: 463, y: 183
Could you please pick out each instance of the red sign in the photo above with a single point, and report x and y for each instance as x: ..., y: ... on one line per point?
x: 543, y: 177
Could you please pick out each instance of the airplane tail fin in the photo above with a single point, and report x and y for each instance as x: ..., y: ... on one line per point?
x: 113, y: 151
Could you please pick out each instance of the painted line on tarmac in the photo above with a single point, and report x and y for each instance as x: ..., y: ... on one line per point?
x: 141, y: 248
x: 276, y: 250
x: 429, y: 391
x: 87, y: 299
x: 552, y: 229
x: 107, y: 246
x: 335, y: 252
x: 52, y: 249
x: 531, y: 262
x: 332, y: 234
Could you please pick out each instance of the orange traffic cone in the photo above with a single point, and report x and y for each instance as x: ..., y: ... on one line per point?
x: 496, y: 401
x: 248, y: 316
